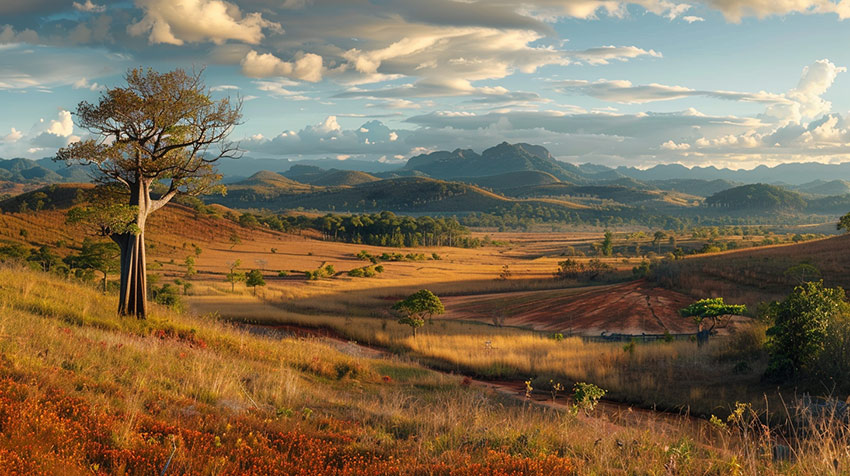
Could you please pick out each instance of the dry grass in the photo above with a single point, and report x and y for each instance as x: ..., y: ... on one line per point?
x: 677, y: 375
x: 240, y: 403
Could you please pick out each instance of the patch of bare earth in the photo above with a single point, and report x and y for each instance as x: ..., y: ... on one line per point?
x: 632, y: 308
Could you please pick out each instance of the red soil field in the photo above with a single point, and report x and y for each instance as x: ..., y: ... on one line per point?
x: 632, y: 308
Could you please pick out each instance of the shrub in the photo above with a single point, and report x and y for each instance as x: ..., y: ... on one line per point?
x: 802, y: 323
x: 586, y: 396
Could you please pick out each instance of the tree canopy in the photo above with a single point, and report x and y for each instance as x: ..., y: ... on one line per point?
x: 801, y: 327
x: 416, y: 307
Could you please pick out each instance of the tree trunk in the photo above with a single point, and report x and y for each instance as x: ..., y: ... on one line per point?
x: 132, y: 300
x: 104, y: 282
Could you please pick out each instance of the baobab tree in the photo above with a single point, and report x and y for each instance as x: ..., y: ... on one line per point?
x: 155, y: 138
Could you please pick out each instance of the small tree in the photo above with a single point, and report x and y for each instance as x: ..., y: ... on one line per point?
x: 234, y: 239
x: 416, y: 307
x: 45, y: 257
x: 802, y: 273
x: 255, y: 278
x: 607, y: 248
x: 234, y: 276
x: 844, y: 223
x: 656, y: 240
x: 801, y: 326
x: 96, y: 256
x: 710, y: 309
x: 190, y: 267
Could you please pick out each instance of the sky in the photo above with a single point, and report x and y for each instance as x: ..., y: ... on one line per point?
x: 730, y: 83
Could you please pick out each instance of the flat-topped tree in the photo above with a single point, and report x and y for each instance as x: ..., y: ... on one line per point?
x: 161, y: 131
x: 416, y: 307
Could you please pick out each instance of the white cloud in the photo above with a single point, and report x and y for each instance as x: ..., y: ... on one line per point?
x: 306, y: 68
x: 735, y: 10
x: 63, y: 126
x: 670, y: 145
x: 606, y: 54
x: 89, y: 7
x: 625, y: 92
x: 83, y: 83
x: 178, y: 21
x: 13, y: 136
x: 224, y: 87
x: 692, y: 19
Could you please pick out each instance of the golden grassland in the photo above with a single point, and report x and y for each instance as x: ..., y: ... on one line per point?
x: 676, y: 376
x: 84, y: 392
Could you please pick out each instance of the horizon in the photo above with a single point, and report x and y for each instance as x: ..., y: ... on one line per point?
x: 624, y: 83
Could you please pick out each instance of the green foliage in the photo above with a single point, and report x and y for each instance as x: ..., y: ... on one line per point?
x: 44, y: 257
x: 324, y: 271
x: 255, y: 278
x: 590, y: 271
x: 802, y: 273
x: 844, y: 223
x: 802, y: 323
x: 607, y: 248
x: 586, y: 396
x: 387, y: 229
x: 167, y: 295
x: 416, y: 307
x: 248, y: 220
x: 96, y: 256
x: 366, y: 271
x: 711, y: 308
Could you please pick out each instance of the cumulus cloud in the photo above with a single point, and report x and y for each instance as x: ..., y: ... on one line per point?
x: 178, y: 21
x: 670, y: 145
x: 89, y: 7
x: 306, y: 68
x: 692, y: 19
x: 13, y: 136
x: 815, y: 80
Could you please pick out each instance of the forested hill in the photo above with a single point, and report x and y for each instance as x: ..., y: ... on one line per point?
x: 757, y: 196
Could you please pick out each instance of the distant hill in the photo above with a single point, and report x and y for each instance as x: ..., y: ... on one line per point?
x: 410, y: 194
x: 794, y: 174
x: 757, y: 196
x: 313, y: 175
x: 698, y: 187
x: 265, y: 184
x: 42, y: 171
x: 501, y: 159
x: 52, y: 197
x: 825, y: 188
x: 513, y: 180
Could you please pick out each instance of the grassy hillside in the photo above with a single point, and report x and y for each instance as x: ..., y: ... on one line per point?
x: 756, y: 275
x: 512, y: 180
x: 84, y: 392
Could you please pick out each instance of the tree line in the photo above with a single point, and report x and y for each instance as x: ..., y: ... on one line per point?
x: 376, y: 229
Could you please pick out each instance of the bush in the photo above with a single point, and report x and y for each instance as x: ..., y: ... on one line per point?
x: 586, y: 396
x: 812, y: 318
